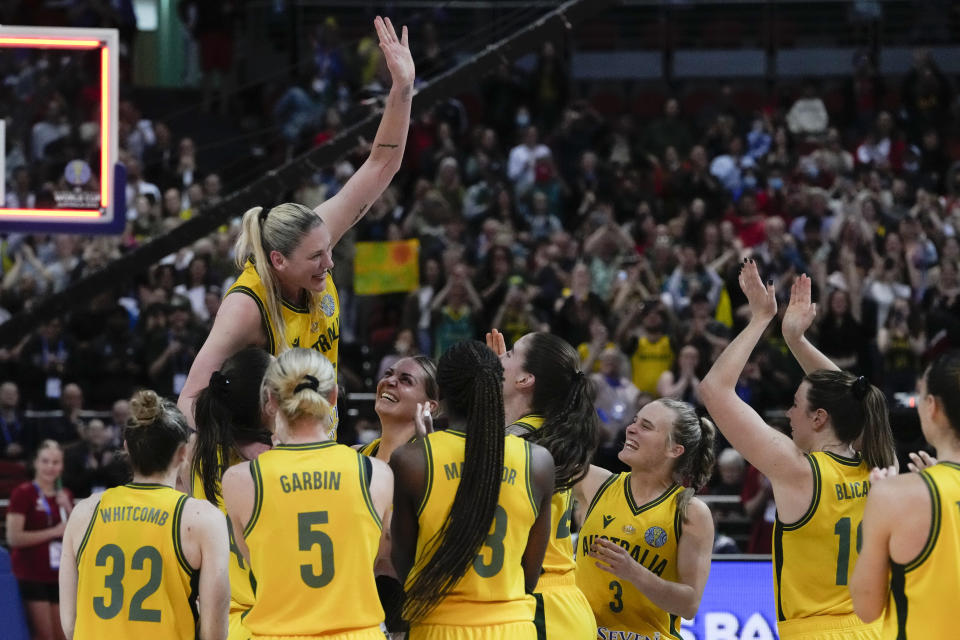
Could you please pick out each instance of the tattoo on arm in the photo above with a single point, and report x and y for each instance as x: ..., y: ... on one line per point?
x: 388, y: 146
x: 359, y: 214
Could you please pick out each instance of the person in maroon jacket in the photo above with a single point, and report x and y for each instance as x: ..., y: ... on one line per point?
x: 35, y: 521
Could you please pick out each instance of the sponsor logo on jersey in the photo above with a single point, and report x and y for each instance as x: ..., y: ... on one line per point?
x: 607, y: 520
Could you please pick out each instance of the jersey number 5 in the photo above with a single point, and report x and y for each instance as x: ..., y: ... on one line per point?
x: 114, y: 582
x: 308, y: 537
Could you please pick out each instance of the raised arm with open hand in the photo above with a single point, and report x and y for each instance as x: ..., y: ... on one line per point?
x: 373, y: 177
x: 796, y: 321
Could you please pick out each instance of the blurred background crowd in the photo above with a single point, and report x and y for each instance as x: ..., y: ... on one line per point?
x: 614, y: 215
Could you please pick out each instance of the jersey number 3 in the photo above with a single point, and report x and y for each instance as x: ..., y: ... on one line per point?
x: 495, y: 542
x: 114, y: 582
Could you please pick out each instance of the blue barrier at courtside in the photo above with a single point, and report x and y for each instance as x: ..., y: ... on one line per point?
x: 12, y: 616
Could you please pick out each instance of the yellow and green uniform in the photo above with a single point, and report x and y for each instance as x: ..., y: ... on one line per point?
x: 313, y: 538
x: 134, y: 581
x: 921, y: 591
x: 242, y: 583
x: 490, y: 600
x: 651, y: 533
x: 648, y: 361
x: 318, y: 330
x: 813, y: 558
x: 562, y: 609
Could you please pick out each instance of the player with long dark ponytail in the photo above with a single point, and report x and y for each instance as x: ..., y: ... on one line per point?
x: 471, y: 507
x: 547, y: 401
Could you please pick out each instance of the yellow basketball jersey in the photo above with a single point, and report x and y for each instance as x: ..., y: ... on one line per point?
x: 648, y: 361
x: 371, y: 448
x: 134, y: 581
x: 814, y: 557
x: 559, y: 557
x: 651, y: 532
x: 319, y: 331
x: 313, y: 538
x: 241, y: 580
x: 921, y: 592
x: 492, y: 591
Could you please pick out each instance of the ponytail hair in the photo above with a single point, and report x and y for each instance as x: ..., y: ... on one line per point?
x: 300, y: 380
x: 154, y: 432
x: 943, y: 381
x: 858, y: 411
x: 695, y: 465
x: 562, y: 394
x: 263, y: 231
x: 227, y: 414
x: 471, y: 385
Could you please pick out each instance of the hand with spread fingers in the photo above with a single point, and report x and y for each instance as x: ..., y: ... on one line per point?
x: 920, y: 460
x: 396, y: 52
x: 800, y: 311
x: 614, y: 559
x: 496, y: 342
x: 762, y: 298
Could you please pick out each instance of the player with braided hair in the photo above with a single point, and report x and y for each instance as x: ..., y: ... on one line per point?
x: 645, y: 527
x: 471, y: 511
x: 547, y: 401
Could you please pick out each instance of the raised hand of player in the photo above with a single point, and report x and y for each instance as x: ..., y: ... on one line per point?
x: 396, y: 52
x: 614, y: 559
x: 920, y: 460
x: 762, y: 298
x: 496, y: 342
x: 423, y: 420
x: 800, y: 311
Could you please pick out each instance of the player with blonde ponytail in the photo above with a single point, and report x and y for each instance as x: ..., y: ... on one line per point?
x: 643, y: 555
x: 287, y: 296
x: 310, y: 511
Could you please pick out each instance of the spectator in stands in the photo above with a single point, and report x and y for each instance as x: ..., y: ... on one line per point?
x: 12, y: 426
x: 521, y: 165
x: 730, y: 473
x: 65, y: 427
x: 53, y: 127
x: 35, y: 521
x: 93, y: 464
x: 808, y: 116
x: 46, y: 356
x: 842, y: 338
x: 169, y: 352
x: 643, y: 334
x: 616, y: 395
x: 691, y: 277
x: 455, y: 310
x: 680, y: 381
x: 730, y: 168
x: 20, y: 194
x: 669, y: 130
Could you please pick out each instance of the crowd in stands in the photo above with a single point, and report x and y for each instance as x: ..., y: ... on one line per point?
x: 536, y: 210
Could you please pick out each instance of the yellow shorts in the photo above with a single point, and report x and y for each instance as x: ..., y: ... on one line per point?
x: 235, y: 628
x: 848, y: 627
x: 508, y: 631
x: 563, y: 612
x: 373, y: 633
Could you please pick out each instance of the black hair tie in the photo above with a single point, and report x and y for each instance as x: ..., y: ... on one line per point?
x: 309, y: 383
x: 860, y: 387
x: 264, y: 212
x: 219, y: 383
